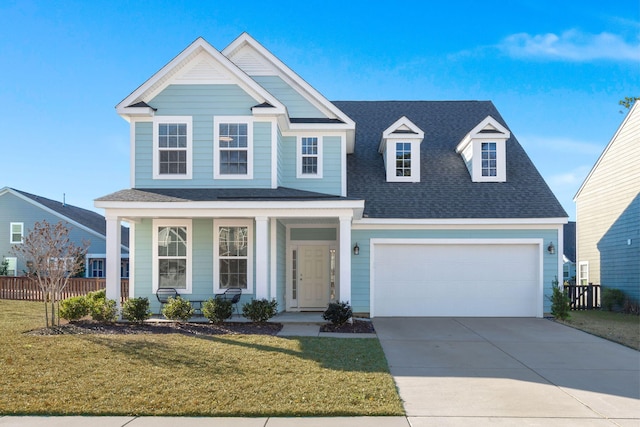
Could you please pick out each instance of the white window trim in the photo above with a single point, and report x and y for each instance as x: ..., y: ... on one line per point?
x: 580, y: 278
x: 21, y: 224
x: 188, y: 120
x: 299, y: 156
x: 216, y: 147
x: 476, y: 167
x: 216, y: 252
x: 390, y: 160
x: 12, y: 264
x: 157, y: 223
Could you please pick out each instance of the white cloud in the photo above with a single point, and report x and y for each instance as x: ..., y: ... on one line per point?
x: 571, y: 45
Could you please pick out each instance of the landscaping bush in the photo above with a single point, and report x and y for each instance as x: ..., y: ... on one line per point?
x: 101, y: 308
x: 260, y: 310
x: 217, y: 309
x: 74, y: 308
x: 560, y: 302
x: 177, y: 308
x: 338, y: 313
x: 136, y: 310
x: 612, y: 299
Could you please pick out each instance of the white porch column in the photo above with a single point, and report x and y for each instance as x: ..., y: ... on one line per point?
x: 113, y: 259
x: 345, y: 259
x: 262, y: 257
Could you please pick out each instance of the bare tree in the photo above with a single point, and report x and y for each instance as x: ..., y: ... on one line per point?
x: 52, y: 258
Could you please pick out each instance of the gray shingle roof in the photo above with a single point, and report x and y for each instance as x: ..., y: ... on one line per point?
x: 87, y: 218
x: 213, y: 194
x: 446, y: 189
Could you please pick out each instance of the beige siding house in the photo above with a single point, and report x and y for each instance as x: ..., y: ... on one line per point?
x: 608, y: 213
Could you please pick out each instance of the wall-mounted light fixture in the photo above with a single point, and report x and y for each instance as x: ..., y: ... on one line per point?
x: 551, y: 249
x: 356, y: 249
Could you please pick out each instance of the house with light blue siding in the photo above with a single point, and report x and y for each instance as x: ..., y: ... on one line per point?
x: 19, y: 211
x: 245, y: 176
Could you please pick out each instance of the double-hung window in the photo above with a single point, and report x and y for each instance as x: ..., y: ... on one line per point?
x: 172, y: 147
x: 489, y: 159
x: 233, y: 148
x: 403, y: 159
x: 96, y: 267
x: 309, y: 157
x: 233, y: 253
x: 172, y: 254
x: 16, y: 232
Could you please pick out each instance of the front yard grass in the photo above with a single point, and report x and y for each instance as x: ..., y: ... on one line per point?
x: 618, y: 327
x: 176, y: 374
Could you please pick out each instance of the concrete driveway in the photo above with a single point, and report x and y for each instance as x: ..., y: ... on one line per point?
x: 509, y: 371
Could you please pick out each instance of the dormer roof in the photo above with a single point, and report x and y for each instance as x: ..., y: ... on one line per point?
x: 489, y: 128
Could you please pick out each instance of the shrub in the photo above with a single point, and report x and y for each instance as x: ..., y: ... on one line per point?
x: 260, y: 310
x: 177, y: 308
x: 338, y: 313
x: 612, y: 299
x: 217, y: 309
x: 136, y: 310
x: 74, y: 308
x: 560, y: 302
x: 101, y: 308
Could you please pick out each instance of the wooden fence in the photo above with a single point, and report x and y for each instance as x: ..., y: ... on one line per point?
x: 22, y: 288
x: 583, y: 297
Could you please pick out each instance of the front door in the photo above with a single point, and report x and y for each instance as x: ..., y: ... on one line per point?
x: 313, y: 277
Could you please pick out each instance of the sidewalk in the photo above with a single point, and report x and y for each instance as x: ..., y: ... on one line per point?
x: 10, y: 421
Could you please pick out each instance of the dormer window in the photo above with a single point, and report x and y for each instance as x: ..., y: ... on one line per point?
x: 400, y: 149
x: 484, y: 151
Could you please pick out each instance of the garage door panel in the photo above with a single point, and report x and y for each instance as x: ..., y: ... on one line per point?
x: 456, y: 280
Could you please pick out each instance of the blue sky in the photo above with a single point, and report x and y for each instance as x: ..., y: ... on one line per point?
x: 555, y: 70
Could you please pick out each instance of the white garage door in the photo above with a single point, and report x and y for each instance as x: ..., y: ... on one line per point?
x: 470, y: 279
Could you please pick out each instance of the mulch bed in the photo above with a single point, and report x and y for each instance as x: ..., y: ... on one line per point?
x: 90, y: 327
x: 357, y: 327
x: 84, y: 327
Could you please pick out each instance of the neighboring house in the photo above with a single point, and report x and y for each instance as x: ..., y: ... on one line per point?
x: 608, y: 213
x: 242, y: 174
x: 19, y: 211
x: 569, y: 259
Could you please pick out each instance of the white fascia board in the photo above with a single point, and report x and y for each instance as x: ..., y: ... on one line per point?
x: 289, y: 76
x: 502, y: 133
x: 397, y: 223
x: 403, y: 121
x: 247, y: 83
x: 634, y: 110
x: 237, y: 212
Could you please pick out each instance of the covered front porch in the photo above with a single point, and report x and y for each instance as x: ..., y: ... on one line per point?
x: 297, y: 252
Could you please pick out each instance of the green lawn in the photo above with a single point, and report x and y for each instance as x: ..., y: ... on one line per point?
x: 618, y: 327
x: 175, y: 374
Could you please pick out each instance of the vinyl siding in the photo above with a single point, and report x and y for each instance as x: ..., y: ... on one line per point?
x: 330, y: 183
x: 201, y: 263
x: 360, y: 266
x: 203, y: 102
x: 297, y: 105
x: 608, y: 213
x: 16, y: 209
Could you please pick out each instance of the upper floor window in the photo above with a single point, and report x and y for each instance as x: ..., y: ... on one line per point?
x: 172, y: 150
x: 489, y: 159
x: 400, y: 149
x: 403, y: 159
x: 309, y: 157
x: 16, y: 232
x: 233, y: 150
x: 484, y: 153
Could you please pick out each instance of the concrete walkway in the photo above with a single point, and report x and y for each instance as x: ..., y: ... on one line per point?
x: 481, y: 371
